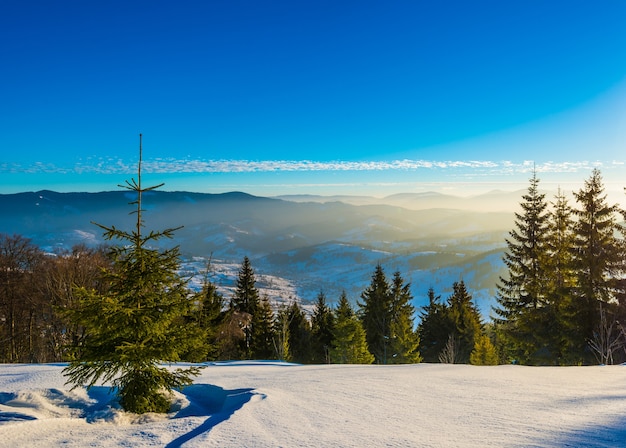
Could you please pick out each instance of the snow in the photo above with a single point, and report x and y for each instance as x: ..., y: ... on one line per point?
x: 271, y: 404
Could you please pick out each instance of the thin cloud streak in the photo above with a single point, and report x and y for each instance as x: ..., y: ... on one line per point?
x: 171, y: 166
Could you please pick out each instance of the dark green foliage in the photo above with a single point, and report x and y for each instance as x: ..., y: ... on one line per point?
x: 143, y: 319
x: 552, y: 328
x: 376, y: 315
x: 448, y: 331
x: 281, y: 333
x: 299, y: 334
x: 211, y: 317
x: 349, y: 341
x: 263, y: 331
x: 246, y: 300
x: 434, y: 328
x: 466, y: 321
x: 322, y: 325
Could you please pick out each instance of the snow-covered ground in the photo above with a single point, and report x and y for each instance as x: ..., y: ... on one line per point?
x: 268, y: 404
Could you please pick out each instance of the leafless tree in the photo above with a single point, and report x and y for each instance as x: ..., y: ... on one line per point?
x: 608, y: 338
x: 449, y: 354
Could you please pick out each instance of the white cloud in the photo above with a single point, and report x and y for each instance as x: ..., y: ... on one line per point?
x: 168, y: 166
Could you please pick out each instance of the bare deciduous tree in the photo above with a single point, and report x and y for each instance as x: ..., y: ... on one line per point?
x: 608, y: 338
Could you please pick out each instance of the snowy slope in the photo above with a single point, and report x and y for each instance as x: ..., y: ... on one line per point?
x: 250, y: 404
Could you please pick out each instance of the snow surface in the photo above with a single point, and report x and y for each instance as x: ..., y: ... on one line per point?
x: 270, y: 404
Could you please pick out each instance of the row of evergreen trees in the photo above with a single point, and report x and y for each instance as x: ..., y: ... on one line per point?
x: 380, y: 330
x: 564, y: 296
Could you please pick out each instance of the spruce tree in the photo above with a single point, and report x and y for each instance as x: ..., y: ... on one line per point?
x: 552, y: 328
x: 299, y: 334
x: 466, y: 320
x: 246, y: 300
x: 376, y: 315
x: 211, y: 316
x: 521, y: 293
x: 142, y: 320
x: 405, y: 341
x: 322, y: 323
x: 263, y: 331
x: 350, y: 344
x: 281, y: 333
x: 484, y: 353
x: 599, y: 260
x: 434, y: 328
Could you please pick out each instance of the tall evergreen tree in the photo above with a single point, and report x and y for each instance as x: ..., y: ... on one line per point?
x: 350, y: 344
x: 434, y: 328
x: 521, y: 293
x: 246, y: 300
x: 139, y: 322
x: 552, y: 328
x: 404, y: 342
x: 599, y: 259
x: 376, y: 315
x: 322, y: 323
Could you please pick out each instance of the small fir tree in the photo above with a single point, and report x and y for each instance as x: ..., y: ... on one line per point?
x: 141, y: 321
x: 350, y: 344
x: 246, y: 300
x: 211, y: 315
x: 281, y: 333
x: 484, y: 353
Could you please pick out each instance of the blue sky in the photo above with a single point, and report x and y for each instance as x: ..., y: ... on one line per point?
x: 328, y: 97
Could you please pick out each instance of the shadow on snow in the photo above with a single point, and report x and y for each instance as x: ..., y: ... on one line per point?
x: 202, y: 400
x: 205, y: 399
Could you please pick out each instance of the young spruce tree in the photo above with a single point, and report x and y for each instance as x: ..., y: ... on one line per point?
x: 141, y: 321
x: 246, y: 301
x: 350, y: 345
x: 322, y: 324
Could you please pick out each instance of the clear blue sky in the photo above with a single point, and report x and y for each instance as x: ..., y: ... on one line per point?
x: 279, y: 97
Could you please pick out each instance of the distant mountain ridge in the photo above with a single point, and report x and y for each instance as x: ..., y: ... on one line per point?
x: 493, y: 201
x: 315, y: 244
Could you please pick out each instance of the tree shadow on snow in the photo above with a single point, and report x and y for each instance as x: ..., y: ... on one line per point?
x: 608, y: 434
x: 605, y: 435
x: 212, y: 401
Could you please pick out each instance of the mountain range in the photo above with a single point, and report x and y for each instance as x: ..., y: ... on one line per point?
x: 298, y: 245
